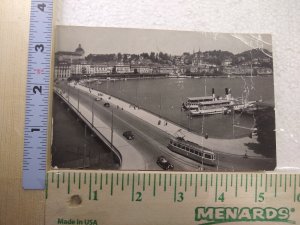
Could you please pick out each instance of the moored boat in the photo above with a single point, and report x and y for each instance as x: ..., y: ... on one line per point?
x: 193, y: 102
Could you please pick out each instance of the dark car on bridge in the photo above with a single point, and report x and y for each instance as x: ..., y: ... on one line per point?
x: 129, y: 135
x: 164, y: 163
x: 106, y: 104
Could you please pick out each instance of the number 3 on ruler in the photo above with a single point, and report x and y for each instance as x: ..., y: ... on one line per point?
x: 41, y: 7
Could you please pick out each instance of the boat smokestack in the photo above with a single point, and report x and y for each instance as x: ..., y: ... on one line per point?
x: 213, y: 93
x: 226, y: 93
x: 229, y: 94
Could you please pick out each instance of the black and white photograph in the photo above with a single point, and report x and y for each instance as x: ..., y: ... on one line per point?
x: 141, y: 99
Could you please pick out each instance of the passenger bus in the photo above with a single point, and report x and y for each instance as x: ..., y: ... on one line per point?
x: 192, y: 150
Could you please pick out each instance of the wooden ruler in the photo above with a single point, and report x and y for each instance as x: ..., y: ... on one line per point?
x: 120, y: 197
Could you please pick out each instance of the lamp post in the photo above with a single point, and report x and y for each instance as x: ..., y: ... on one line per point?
x: 93, y: 102
x: 78, y: 100
x: 68, y: 93
x: 233, y: 122
x: 112, y: 127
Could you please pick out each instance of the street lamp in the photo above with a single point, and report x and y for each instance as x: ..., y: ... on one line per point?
x: 93, y: 102
x: 112, y: 127
x: 68, y: 93
x: 78, y: 100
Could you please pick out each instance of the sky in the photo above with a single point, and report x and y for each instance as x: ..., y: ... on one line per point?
x: 96, y: 40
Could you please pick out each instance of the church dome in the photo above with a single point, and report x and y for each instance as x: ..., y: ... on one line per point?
x: 79, y: 50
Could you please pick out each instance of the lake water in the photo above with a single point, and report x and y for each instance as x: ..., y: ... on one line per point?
x: 165, y: 96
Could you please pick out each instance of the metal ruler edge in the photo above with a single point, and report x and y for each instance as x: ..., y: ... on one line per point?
x: 37, y: 94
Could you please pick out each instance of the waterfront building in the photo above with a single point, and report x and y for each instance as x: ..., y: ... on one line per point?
x: 62, y: 70
x: 142, y: 69
x: 238, y: 70
x: 77, y: 56
x: 227, y: 62
x: 264, y: 71
x: 98, y: 69
x: 266, y: 60
x: 167, y: 69
x: 197, y: 59
x: 122, y: 68
x: 80, y: 69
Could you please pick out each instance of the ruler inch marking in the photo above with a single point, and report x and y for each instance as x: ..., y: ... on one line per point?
x: 132, y: 188
x: 216, y: 188
x: 295, y: 197
x: 111, y: 184
x: 236, y: 185
x: 175, y: 187
x: 196, y: 185
x: 165, y: 182
x: 180, y: 183
x: 271, y: 180
x: 185, y: 183
x: 206, y: 178
x: 79, y: 183
x: 221, y: 179
x: 46, y: 191
x: 69, y: 183
x: 241, y: 180
x: 90, y: 187
x: 122, y: 182
x: 154, y: 185
x: 226, y: 188
x: 285, y: 183
x: 275, y: 188
x: 201, y: 178
x: 255, y: 188
x: 101, y: 180
x: 159, y: 179
x: 246, y: 188
x: 266, y: 182
x: 144, y: 181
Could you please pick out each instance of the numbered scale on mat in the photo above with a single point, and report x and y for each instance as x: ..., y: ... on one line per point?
x: 37, y: 95
x: 106, y: 197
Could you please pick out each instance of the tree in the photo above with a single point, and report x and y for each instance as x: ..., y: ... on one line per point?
x: 265, y: 124
x: 119, y: 56
x: 145, y: 55
x: 152, y: 56
x: 125, y: 59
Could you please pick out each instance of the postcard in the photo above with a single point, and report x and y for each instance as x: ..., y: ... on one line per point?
x: 137, y: 99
